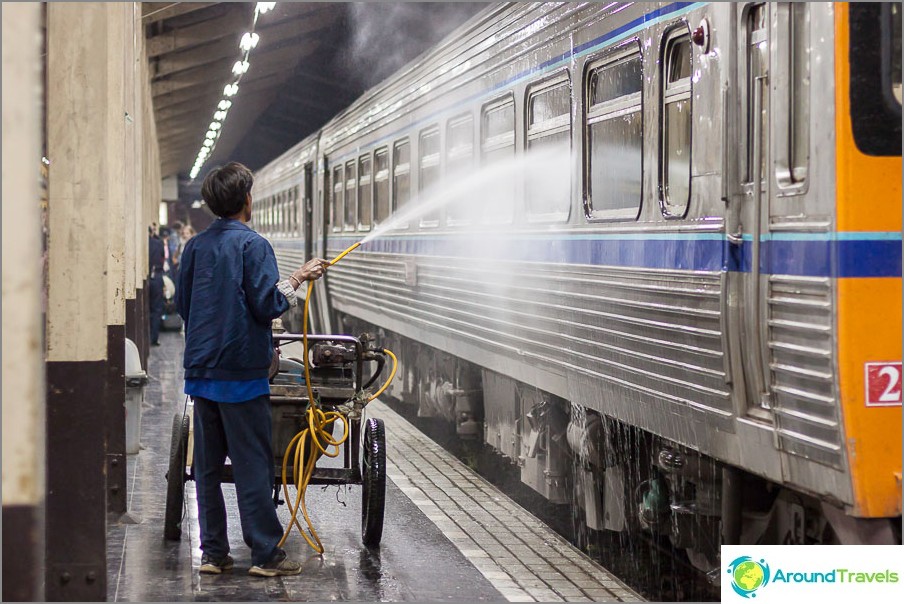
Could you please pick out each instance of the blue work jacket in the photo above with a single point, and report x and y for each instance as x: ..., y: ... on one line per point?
x: 228, y: 298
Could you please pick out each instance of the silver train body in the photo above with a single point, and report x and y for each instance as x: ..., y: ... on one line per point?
x: 551, y: 321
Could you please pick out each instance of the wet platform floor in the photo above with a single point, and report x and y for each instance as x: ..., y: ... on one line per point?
x: 448, y: 534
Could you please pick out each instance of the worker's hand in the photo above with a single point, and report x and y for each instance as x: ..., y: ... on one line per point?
x: 312, y: 270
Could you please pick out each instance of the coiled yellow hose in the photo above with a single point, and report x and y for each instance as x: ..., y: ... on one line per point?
x: 319, y: 430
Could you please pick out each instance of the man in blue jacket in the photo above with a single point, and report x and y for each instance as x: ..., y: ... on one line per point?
x: 228, y: 294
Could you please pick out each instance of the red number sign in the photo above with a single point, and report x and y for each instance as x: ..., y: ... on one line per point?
x: 883, y: 384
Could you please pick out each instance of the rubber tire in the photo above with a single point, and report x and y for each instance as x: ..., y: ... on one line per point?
x: 175, y: 479
x: 373, y: 473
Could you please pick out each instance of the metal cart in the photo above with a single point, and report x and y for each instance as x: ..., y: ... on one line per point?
x: 337, y: 365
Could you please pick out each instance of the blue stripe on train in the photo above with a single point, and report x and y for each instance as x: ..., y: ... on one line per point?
x: 812, y: 255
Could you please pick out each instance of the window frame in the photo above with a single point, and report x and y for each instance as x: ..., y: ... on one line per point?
x: 395, y: 171
x: 500, y: 141
x: 387, y: 176
x: 673, y: 93
x: 609, y: 110
x: 351, y: 184
x: 790, y: 180
x: 435, y: 160
x: 557, y: 125
x: 370, y: 184
x: 455, y: 153
x: 337, y: 206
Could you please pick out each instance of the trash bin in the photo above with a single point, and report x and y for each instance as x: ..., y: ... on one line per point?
x: 136, y: 381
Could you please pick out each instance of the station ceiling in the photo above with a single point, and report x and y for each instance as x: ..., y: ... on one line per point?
x: 312, y: 60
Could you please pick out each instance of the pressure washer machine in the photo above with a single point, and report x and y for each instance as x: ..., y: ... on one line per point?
x: 318, y: 406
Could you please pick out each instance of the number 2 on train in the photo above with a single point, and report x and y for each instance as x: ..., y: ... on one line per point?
x: 883, y: 384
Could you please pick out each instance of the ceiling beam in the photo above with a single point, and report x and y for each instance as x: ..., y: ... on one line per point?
x: 281, y: 60
x: 205, y: 102
x: 167, y: 132
x: 195, y: 78
x: 174, y: 62
x: 274, y: 47
x: 232, y: 24
x: 304, y: 24
x: 158, y: 11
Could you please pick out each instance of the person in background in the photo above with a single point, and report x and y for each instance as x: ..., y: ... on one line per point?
x: 172, y: 240
x: 229, y: 292
x: 185, y: 234
x: 156, y: 260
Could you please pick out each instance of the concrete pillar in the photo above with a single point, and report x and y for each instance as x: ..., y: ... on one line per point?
x: 86, y: 304
x: 118, y: 62
x: 132, y: 153
x: 151, y: 195
x: 23, y: 347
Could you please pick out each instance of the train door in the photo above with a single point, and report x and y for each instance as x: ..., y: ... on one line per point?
x: 776, y: 200
x: 752, y: 87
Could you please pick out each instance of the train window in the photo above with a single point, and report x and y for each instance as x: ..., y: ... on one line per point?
x: 614, y: 160
x: 428, y: 173
x: 757, y: 60
x: 548, y: 190
x: 497, y: 143
x: 338, y: 194
x: 675, y: 177
x: 381, y: 185
x: 792, y: 94
x: 293, y: 195
x: 875, y: 76
x: 268, y: 216
x: 293, y: 212
x: 296, y: 196
x: 401, y: 174
x: 351, y: 205
x: 459, y: 160
x: 282, y: 213
x: 287, y: 212
x: 365, y: 193
x: 892, y: 48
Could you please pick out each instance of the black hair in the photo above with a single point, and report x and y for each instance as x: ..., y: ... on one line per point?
x: 225, y: 189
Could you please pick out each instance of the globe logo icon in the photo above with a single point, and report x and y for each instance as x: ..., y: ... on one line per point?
x: 748, y: 575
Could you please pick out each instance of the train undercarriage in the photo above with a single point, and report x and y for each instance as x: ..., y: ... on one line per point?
x: 622, y: 486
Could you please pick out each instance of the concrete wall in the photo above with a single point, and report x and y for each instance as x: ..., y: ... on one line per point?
x: 23, y: 348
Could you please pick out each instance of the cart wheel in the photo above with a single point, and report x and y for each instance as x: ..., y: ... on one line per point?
x: 175, y: 479
x: 373, y: 498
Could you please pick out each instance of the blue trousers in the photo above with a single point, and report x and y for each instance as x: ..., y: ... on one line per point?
x: 243, y: 432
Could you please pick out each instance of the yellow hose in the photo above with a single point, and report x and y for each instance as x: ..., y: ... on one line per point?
x: 320, y: 426
x: 395, y: 366
x: 319, y: 429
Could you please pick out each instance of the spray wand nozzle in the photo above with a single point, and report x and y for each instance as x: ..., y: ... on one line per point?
x: 344, y: 254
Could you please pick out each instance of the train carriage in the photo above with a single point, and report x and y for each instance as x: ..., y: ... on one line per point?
x: 651, y: 252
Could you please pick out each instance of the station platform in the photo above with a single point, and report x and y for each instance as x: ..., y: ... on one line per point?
x: 449, y: 535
